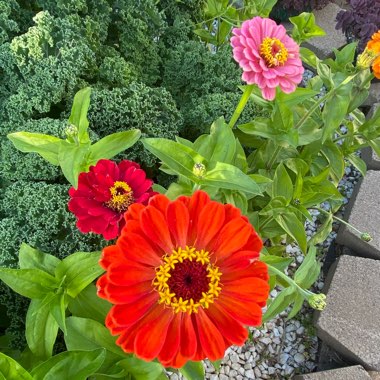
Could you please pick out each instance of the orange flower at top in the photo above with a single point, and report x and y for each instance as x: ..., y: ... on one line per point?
x: 374, y: 43
x: 185, y: 280
x: 376, y: 67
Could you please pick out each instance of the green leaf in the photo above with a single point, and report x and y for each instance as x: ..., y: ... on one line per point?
x: 46, y: 146
x: 31, y: 283
x: 58, y: 310
x: 88, y: 305
x: 193, y: 371
x: 219, y: 145
x: 308, y: 57
x: 324, y: 72
x: 345, y: 56
x: 280, y: 303
x: 282, y: 117
x: 73, y: 365
x: 79, y: 270
x: 298, y: 96
x: 265, y: 7
x: 142, y: 370
x: 177, y: 157
x: 41, y: 329
x: 282, y: 185
x: 111, y: 145
x: 335, y: 158
x: 240, y: 160
x: 30, y: 258
x: 11, y: 370
x: 305, y: 27
x: 205, y: 36
x: 72, y: 159
x: 309, y: 270
x: 297, y: 306
x: 358, y: 163
x: 87, y: 334
x: 334, y: 111
x: 227, y: 176
x: 323, y: 231
x: 78, y: 116
x: 293, y: 227
x: 280, y: 263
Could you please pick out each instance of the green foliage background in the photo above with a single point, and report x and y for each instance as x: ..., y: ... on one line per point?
x: 147, y: 70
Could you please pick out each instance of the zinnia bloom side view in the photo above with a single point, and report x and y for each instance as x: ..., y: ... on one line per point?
x: 185, y: 280
x: 267, y: 55
x: 371, y: 55
x: 105, y: 193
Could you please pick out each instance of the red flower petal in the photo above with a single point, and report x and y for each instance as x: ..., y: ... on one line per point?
x: 211, y: 220
x: 127, y: 314
x: 246, y: 289
x: 155, y: 228
x: 137, y: 249
x: 236, y: 262
x: 151, y: 337
x: 188, y: 337
x: 211, y: 339
x: 178, y: 222
x: 134, y: 211
x: 173, y: 339
x: 196, y: 203
x: 128, y: 275
x: 122, y: 294
x: 231, y: 238
x: 160, y: 202
x: 231, y: 330
x: 248, y: 313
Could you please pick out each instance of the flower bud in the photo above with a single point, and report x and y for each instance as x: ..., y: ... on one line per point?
x: 366, y: 237
x: 317, y: 301
x: 71, y: 132
x: 366, y: 59
x: 199, y: 170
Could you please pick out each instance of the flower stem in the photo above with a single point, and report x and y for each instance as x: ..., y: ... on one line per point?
x: 274, y: 271
x: 323, y: 99
x: 239, y: 109
x: 336, y: 218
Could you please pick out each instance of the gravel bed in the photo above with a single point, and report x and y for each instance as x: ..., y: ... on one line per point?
x: 282, y: 348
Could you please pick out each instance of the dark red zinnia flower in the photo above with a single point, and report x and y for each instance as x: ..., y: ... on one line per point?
x: 105, y: 193
x: 185, y: 280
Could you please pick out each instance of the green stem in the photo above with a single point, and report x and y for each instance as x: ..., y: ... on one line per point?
x: 323, y: 99
x: 239, y: 109
x: 338, y: 219
x: 274, y: 157
x: 272, y: 270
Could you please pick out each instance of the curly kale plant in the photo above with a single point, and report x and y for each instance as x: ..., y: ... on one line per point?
x: 147, y: 70
x: 360, y: 21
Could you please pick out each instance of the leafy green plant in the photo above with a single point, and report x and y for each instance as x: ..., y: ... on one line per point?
x: 75, y: 154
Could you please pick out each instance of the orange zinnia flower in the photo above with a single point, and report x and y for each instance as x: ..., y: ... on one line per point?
x: 376, y: 67
x: 374, y: 43
x: 185, y: 280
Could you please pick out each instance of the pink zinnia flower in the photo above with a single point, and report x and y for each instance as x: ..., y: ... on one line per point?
x: 104, y: 195
x: 268, y: 56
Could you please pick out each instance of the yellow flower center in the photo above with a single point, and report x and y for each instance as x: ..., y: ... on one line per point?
x: 187, y: 280
x: 121, y: 196
x: 273, y: 51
